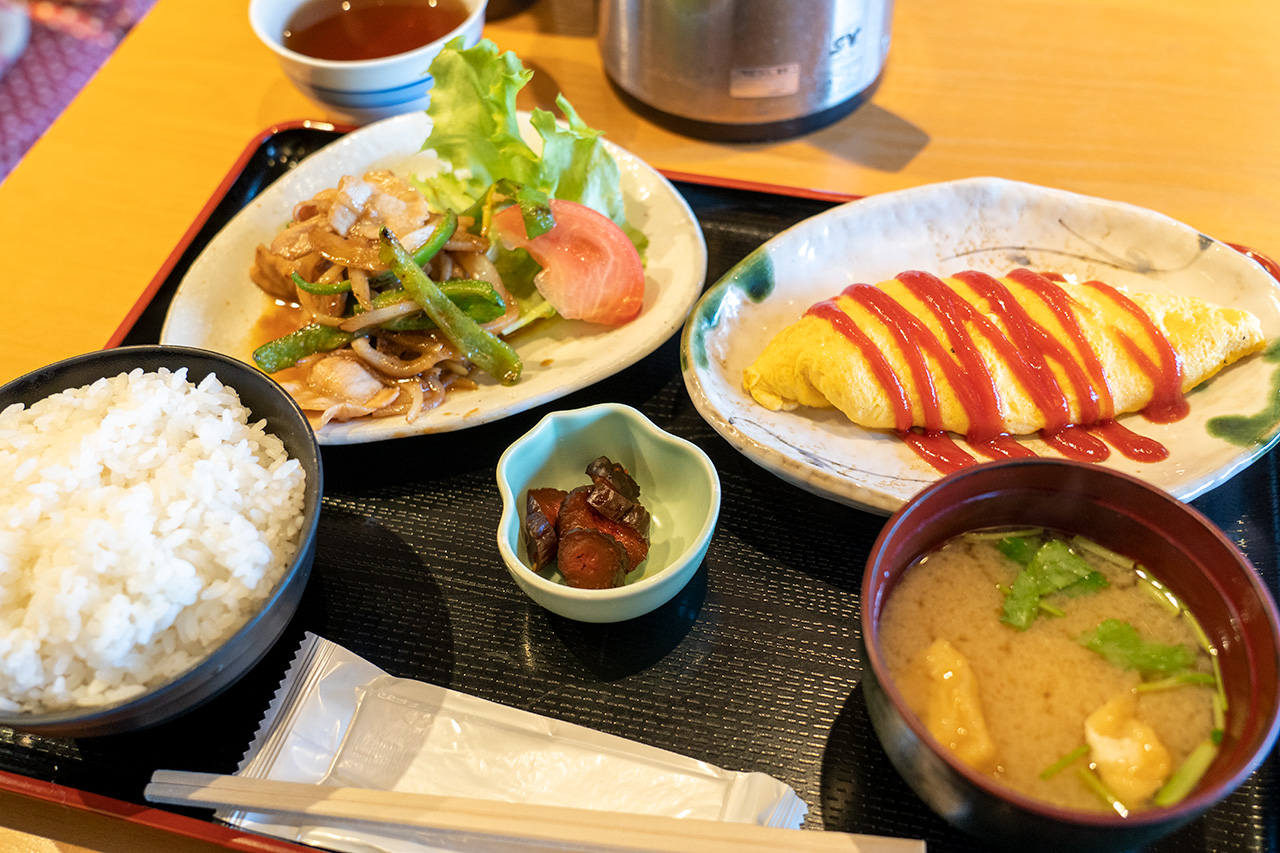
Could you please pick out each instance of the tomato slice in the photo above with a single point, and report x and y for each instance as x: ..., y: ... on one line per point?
x: 590, y: 268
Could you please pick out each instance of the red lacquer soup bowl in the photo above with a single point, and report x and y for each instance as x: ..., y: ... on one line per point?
x: 1196, y: 561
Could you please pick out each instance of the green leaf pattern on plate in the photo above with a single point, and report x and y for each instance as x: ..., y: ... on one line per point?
x: 1256, y: 429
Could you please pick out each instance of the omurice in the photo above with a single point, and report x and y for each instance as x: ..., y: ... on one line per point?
x: 985, y: 357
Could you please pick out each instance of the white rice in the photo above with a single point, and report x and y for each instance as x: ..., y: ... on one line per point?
x: 142, y: 521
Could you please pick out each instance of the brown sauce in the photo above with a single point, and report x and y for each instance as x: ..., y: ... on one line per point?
x: 1026, y: 348
x: 370, y: 29
x: 275, y: 322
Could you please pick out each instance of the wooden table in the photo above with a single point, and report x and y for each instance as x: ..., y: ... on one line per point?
x: 1169, y: 104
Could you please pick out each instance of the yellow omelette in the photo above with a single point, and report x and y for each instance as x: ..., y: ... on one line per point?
x: 1036, y: 352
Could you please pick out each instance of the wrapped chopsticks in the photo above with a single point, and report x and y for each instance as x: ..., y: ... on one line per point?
x: 399, y: 811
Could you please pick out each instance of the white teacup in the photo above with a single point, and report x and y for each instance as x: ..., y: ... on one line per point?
x: 365, y: 90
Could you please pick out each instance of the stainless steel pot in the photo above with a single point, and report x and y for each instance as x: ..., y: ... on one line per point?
x: 744, y: 69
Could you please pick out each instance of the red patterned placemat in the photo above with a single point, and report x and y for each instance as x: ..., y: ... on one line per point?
x: 68, y: 43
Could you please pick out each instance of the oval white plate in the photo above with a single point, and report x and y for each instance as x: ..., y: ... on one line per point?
x: 987, y: 224
x: 216, y: 305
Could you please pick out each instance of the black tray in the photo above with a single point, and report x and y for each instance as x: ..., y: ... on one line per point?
x: 754, y: 666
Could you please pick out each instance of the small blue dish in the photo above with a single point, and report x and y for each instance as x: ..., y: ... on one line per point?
x: 679, y: 487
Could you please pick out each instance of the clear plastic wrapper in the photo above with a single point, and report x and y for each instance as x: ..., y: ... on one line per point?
x: 339, y: 720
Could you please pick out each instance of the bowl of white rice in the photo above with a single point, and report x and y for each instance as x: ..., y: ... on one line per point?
x: 158, y: 511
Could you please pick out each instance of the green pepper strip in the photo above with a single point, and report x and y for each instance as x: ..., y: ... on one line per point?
x: 492, y: 355
x: 439, y: 236
x: 478, y: 298
x: 288, y: 350
x: 322, y: 288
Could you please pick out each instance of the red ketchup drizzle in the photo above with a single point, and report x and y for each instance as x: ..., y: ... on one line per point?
x: 967, y: 370
x: 1139, y: 448
x: 1097, y: 408
x: 1088, y: 379
x: 1167, y: 402
x: 1025, y: 349
x: 938, y: 450
x: 830, y: 311
x: 912, y: 338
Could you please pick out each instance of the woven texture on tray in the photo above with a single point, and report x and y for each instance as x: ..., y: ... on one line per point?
x: 756, y: 665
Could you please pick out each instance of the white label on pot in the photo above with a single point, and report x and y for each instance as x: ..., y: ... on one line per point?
x: 767, y: 81
x: 855, y: 53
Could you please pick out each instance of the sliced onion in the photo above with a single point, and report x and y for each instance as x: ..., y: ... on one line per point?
x: 480, y: 267
x: 348, y: 253
x: 329, y: 276
x: 435, y: 388
x: 323, y: 308
x: 381, y: 315
x: 360, y: 288
x: 465, y: 241
x: 414, y: 239
x: 442, y: 266
x: 415, y: 401
x: 395, y: 367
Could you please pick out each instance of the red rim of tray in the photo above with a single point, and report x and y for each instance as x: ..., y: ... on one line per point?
x: 178, y: 824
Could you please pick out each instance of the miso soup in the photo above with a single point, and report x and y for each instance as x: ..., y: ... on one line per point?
x: 1057, y: 668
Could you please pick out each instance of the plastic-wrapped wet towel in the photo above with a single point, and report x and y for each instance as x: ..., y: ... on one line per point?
x: 339, y: 720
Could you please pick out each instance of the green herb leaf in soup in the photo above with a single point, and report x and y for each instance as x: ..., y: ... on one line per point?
x: 1120, y: 644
